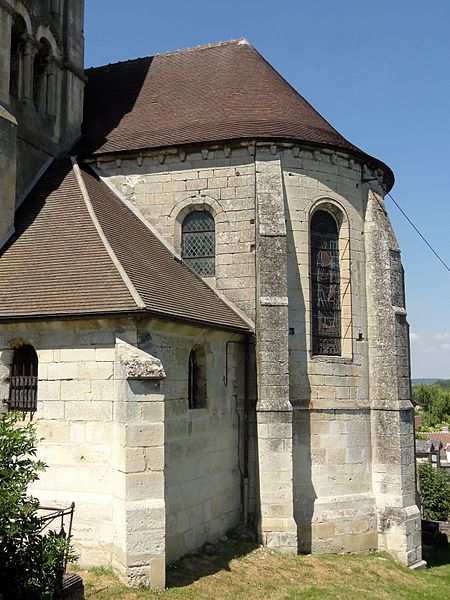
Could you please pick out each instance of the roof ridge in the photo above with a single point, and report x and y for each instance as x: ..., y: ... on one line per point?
x: 123, y: 274
x: 238, y: 41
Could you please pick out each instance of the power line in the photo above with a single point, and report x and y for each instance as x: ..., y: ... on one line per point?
x: 417, y: 231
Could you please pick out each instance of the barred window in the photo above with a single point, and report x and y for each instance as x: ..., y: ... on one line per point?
x: 24, y: 380
x: 325, y: 285
x: 197, y: 378
x: 198, y: 242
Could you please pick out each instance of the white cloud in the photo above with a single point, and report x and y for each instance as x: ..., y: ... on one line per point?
x: 442, y: 336
x: 445, y: 346
x: 414, y: 336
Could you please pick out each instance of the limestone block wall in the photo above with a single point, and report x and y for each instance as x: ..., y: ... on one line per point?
x: 202, y: 446
x: 334, y: 503
x: 151, y: 478
x: 332, y: 433
x: 165, y: 187
x: 77, y: 394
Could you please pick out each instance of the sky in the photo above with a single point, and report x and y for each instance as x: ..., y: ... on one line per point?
x: 378, y: 72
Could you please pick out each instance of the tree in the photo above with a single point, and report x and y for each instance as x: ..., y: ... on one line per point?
x: 434, y: 403
x: 31, y: 563
x: 435, y: 492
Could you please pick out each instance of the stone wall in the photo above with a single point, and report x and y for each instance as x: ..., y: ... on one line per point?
x: 164, y: 188
x: 150, y: 478
x: 202, y: 470
x: 333, y: 433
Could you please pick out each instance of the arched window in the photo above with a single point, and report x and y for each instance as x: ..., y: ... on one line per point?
x: 197, y: 378
x: 198, y: 242
x: 40, y: 76
x: 24, y: 380
x: 325, y: 285
x: 18, y: 32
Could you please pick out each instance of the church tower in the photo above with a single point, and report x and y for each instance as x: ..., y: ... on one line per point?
x: 41, y: 92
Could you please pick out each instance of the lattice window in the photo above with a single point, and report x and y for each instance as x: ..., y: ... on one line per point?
x: 24, y: 380
x: 197, y: 378
x: 325, y: 285
x: 198, y: 242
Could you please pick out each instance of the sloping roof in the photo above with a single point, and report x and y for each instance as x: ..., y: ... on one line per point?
x: 77, y: 254
x: 213, y: 93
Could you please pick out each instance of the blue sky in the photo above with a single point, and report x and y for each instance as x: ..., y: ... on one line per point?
x: 379, y: 72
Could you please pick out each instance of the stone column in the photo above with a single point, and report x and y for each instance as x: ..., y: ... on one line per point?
x: 28, y: 54
x: 277, y: 527
x: 392, y: 414
x: 51, y: 89
x: 139, y: 501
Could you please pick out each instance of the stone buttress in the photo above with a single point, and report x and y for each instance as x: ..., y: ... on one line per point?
x: 392, y: 414
x: 277, y: 527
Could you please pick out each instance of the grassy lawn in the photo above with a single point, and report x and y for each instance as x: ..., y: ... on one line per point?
x: 240, y: 570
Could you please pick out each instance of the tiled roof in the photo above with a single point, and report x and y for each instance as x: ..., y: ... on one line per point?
x: 227, y: 91
x: 79, y: 250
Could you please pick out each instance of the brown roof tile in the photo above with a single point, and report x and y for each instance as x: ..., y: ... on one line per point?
x: 166, y: 285
x: 57, y: 263
x: 60, y: 263
x: 222, y: 92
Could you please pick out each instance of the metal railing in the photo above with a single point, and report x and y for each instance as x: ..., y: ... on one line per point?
x: 62, y: 518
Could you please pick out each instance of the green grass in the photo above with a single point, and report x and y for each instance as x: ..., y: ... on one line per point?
x: 238, y: 570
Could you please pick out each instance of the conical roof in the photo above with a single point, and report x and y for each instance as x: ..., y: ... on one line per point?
x: 226, y: 91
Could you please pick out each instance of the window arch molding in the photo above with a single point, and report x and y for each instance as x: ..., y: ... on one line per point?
x: 191, y: 204
x: 195, y: 204
x: 19, y: 9
x: 340, y: 217
x: 44, y: 32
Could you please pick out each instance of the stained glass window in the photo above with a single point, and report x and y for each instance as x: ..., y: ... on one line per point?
x: 198, y: 242
x: 325, y: 285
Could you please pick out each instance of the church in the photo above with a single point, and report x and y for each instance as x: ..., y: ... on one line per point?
x: 202, y: 304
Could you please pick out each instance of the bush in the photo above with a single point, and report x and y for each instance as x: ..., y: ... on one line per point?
x: 435, y: 492
x: 32, y: 564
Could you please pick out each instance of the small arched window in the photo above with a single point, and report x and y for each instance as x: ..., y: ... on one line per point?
x: 40, y: 76
x: 198, y: 242
x: 18, y: 32
x: 24, y: 380
x: 325, y: 285
x: 197, y: 378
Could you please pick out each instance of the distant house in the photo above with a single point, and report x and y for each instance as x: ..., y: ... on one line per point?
x: 442, y: 438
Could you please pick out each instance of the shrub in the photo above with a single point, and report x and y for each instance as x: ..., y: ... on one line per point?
x: 435, y: 492
x: 31, y: 563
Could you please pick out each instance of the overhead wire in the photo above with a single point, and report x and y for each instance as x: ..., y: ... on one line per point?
x: 418, y: 232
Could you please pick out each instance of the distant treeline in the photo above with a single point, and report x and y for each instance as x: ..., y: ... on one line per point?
x: 432, y: 403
